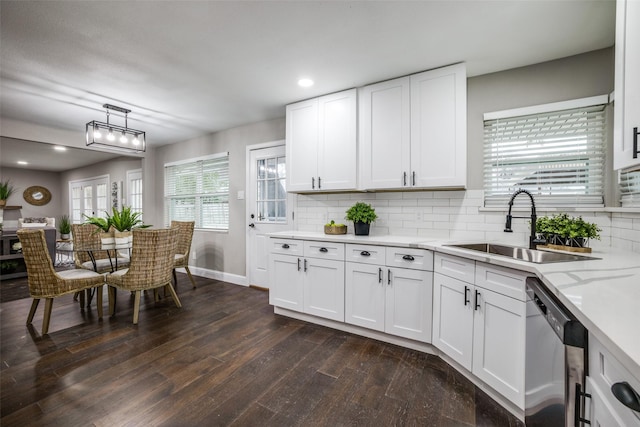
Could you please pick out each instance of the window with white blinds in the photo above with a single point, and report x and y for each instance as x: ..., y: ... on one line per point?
x: 559, y: 156
x: 198, y: 190
x: 630, y: 189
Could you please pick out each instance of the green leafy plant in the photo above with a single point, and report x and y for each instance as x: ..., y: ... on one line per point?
x: 125, y: 219
x: 64, y: 225
x: 361, y: 212
x: 565, y: 230
x: 6, y: 189
x: 104, y: 224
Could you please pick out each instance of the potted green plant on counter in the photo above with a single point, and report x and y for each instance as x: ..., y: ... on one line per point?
x: 362, y: 215
x: 64, y: 227
x: 562, y: 231
x: 6, y: 190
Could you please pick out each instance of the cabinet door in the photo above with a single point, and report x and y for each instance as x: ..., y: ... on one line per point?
x: 627, y: 83
x: 365, y: 295
x: 408, y: 307
x: 385, y: 134
x: 337, y: 162
x: 285, y: 282
x: 302, y: 145
x: 499, y: 343
x: 324, y: 288
x: 453, y: 318
x: 439, y: 127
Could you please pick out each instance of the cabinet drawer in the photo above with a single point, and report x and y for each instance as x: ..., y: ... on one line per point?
x: 456, y: 267
x: 365, y: 254
x: 416, y: 259
x: 324, y: 250
x: 286, y: 246
x: 502, y: 280
x: 605, y: 370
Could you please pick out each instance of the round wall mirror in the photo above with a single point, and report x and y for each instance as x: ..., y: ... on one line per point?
x: 37, y: 195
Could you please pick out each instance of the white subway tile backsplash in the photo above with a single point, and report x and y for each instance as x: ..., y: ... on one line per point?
x: 455, y: 215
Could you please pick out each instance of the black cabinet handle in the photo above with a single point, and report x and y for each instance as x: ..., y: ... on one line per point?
x: 413, y: 178
x: 365, y: 253
x: 635, y: 143
x: 324, y: 250
x: 319, y: 183
x: 404, y: 179
x: 298, y: 264
x: 389, y: 276
x: 626, y: 395
x: 477, y: 304
x: 313, y: 183
x: 285, y: 246
x: 305, y: 264
x: 379, y: 275
x: 408, y: 258
x: 466, y: 295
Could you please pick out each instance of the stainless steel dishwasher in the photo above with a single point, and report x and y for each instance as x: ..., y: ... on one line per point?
x: 556, y: 360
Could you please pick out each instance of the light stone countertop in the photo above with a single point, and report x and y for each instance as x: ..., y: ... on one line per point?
x: 603, y: 294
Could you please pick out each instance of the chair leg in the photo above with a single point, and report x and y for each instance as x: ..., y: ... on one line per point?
x: 175, y: 279
x: 193, y: 282
x: 174, y: 295
x: 136, y: 307
x: 48, y: 303
x: 112, y: 300
x: 32, y: 311
x: 82, y: 299
x: 99, y: 300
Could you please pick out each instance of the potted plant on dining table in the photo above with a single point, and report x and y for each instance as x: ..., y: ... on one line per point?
x: 116, y: 228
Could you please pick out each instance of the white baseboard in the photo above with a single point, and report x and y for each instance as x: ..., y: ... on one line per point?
x: 217, y: 275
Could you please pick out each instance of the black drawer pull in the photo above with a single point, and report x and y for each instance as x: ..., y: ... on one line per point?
x: 408, y: 258
x: 365, y: 253
x: 626, y: 395
x: 466, y: 295
x: 285, y: 246
x: 323, y: 250
x: 477, y: 304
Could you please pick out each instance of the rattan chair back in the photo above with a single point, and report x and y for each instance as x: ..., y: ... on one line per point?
x: 87, y: 235
x: 185, y: 236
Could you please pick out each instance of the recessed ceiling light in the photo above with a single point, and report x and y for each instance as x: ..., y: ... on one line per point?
x: 59, y: 148
x: 22, y: 162
x: 305, y: 82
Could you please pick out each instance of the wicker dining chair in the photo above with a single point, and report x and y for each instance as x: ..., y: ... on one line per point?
x: 45, y: 283
x: 185, y: 235
x: 88, y: 235
x: 152, y: 260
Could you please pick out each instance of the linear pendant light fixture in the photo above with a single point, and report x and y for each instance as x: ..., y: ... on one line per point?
x: 116, y: 137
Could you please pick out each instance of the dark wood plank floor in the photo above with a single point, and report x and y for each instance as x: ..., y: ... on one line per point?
x: 223, y: 359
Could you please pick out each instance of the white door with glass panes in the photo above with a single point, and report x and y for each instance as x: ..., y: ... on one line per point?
x: 268, y: 207
x: 89, y: 197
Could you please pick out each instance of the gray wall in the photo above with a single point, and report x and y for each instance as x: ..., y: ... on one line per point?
x: 574, y: 77
x: 21, y: 180
x: 220, y: 251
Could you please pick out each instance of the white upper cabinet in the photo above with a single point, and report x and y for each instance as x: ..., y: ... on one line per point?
x: 439, y: 127
x: 385, y: 157
x: 321, y: 143
x: 413, y: 131
x: 627, y: 85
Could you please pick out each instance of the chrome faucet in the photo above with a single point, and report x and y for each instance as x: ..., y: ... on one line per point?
x: 533, y: 240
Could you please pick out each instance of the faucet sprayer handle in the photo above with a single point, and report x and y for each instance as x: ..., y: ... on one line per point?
x: 507, y: 225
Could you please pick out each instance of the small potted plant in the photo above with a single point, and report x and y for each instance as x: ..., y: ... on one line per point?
x: 362, y: 215
x: 6, y: 190
x: 64, y: 227
x: 123, y: 221
x: 567, y: 233
x: 104, y: 228
x: 333, y: 228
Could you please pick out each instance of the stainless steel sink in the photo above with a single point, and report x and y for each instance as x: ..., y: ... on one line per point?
x: 523, y: 254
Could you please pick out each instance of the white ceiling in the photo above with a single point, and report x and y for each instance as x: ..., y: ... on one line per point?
x: 190, y: 68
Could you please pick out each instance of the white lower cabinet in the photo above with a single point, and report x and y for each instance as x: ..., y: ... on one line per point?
x: 479, y: 328
x: 394, y: 300
x: 600, y: 413
x: 310, y: 280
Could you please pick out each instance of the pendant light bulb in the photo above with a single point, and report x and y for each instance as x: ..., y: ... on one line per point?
x: 135, y: 140
x: 123, y: 138
x: 96, y: 132
x: 110, y: 136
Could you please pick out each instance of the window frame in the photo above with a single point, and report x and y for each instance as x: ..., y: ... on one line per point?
x: 200, y: 194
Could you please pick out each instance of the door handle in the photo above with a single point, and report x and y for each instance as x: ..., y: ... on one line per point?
x: 404, y: 179
x: 298, y: 264
x: 389, y: 276
x: 413, y: 178
x: 319, y: 184
x: 477, y: 304
x: 466, y: 295
x: 305, y: 264
x: 252, y: 225
x: 379, y: 275
x: 313, y: 182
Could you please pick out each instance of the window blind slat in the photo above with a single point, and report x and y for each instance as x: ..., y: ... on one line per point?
x: 558, y: 156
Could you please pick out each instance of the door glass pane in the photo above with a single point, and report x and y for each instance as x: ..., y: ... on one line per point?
x: 271, y: 190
